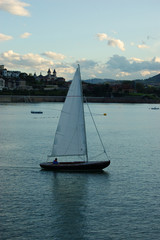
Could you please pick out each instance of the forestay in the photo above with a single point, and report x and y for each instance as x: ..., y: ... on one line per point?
x: 70, y: 137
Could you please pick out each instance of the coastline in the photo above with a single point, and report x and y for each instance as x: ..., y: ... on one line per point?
x: 38, y: 99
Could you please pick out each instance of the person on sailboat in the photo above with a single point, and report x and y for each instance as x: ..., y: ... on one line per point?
x: 55, y: 161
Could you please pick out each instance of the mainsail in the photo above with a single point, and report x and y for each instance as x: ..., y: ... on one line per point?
x: 70, y: 137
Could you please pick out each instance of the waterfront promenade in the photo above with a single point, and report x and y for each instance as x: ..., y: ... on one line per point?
x: 37, y: 99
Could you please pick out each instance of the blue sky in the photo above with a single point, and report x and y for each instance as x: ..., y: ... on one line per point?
x: 116, y: 39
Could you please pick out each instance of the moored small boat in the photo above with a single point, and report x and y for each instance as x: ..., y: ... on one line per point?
x: 155, y: 108
x: 36, y: 112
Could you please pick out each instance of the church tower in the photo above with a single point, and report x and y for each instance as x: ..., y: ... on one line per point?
x: 49, y: 72
x: 54, y: 73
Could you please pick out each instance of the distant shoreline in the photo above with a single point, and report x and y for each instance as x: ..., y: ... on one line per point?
x: 39, y: 99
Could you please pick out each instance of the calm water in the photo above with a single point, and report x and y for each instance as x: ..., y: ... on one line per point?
x: 123, y: 202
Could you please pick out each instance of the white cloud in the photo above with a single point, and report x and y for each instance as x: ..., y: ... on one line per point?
x: 142, y: 46
x: 10, y: 56
x: 35, y: 63
x: 111, y: 41
x: 133, y: 59
x: 156, y: 59
x: 25, y: 35
x: 123, y: 74
x: 4, y: 37
x: 118, y: 67
x: 25, y: 62
x: 65, y: 71
x: 34, y: 59
x: 53, y: 55
x: 116, y: 43
x: 122, y: 64
x: 90, y: 69
x: 85, y: 64
x: 102, y: 36
x: 93, y: 76
x: 145, y: 73
x: 15, y: 7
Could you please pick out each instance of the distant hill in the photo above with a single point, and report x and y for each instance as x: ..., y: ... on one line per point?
x: 99, y: 80
x: 152, y: 80
x: 155, y: 80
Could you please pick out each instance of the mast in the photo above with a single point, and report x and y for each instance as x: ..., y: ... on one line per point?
x: 82, y: 99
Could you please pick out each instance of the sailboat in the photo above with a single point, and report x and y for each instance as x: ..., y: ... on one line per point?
x: 70, y: 137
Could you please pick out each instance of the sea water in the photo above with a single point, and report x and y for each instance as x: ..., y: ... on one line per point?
x: 122, y: 202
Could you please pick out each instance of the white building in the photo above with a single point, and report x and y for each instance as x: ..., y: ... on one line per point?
x: 2, y: 84
x: 5, y: 73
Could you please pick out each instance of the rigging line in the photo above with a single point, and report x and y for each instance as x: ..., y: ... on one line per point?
x: 92, y: 157
x: 96, y: 128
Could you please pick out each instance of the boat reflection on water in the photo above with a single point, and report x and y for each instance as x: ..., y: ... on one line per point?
x: 72, y: 203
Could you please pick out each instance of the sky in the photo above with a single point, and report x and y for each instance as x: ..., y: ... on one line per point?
x: 118, y: 39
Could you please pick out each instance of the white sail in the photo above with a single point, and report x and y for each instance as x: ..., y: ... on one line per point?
x: 70, y: 137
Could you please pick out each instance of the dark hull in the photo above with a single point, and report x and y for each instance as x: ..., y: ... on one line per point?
x: 36, y: 112
x: 75, y: 166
